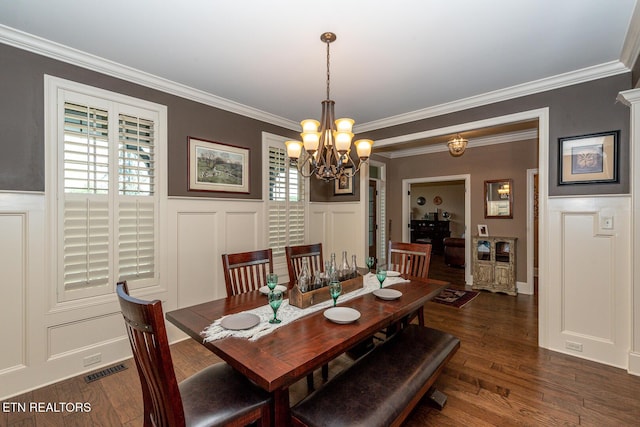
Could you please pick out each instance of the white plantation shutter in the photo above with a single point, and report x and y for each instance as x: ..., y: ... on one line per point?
x: 136, y: 240
x: 135, y: 156
x: 86, y: 149
x: 286, y: 206
x: 107, y: 203
x: 86, y: 243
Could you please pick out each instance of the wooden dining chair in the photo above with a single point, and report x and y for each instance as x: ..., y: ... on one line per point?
x: 295, y: 258
x: 216, y: 396
x: 246, y: 271
x: 411, y: 259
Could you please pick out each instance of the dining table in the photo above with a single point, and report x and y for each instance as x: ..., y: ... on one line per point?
x: 279, y: 359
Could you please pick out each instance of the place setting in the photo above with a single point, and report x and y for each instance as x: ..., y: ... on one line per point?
x: 383, y: 293
x: 340, y: 315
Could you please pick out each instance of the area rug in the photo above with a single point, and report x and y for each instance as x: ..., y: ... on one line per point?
x: 455, y: 297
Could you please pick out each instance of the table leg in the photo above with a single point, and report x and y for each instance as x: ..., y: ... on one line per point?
x: 281, y: 408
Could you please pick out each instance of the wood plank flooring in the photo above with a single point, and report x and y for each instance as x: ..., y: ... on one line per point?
x: 499, y: 377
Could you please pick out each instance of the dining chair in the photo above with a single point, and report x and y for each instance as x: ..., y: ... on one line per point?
x: 216, y: 396
x: 246, y: 271
x: 411, y: 259
x: 295, y: 259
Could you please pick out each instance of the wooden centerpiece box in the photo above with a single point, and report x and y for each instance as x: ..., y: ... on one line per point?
x: 307, y: 299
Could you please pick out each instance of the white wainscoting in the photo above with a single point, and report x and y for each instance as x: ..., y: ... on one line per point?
x: 341, y: 227
x: 590, y: 278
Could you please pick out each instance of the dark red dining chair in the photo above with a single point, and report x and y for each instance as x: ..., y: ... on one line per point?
x: 411, y: 259
x: 295, y: 258
x: 246, y: 271
x: 216, y: 396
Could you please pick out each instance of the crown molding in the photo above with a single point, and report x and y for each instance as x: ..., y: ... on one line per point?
x: 631, y: 47
x: 82, y: 59
x: 473, y: 143
x: 561, y: 80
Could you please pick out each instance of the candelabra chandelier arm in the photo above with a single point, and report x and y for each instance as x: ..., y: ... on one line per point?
x: 326, y: 153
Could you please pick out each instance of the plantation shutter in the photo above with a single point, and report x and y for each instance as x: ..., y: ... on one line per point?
x: 108, y: 206
x: 286, y: 211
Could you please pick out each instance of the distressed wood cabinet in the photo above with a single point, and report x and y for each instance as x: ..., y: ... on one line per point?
x: 494, y: 264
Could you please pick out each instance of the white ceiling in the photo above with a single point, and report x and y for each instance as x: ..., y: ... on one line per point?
x: 391, y: 58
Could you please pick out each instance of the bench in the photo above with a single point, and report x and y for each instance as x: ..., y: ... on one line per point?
x: 382, y: 387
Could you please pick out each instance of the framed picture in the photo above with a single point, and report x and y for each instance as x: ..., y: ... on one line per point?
x: 344, y: 184
x: 483, y: 230
x: 218, y: 167
x: 588, y: 159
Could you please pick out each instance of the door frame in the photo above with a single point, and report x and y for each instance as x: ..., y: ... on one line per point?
x: 406, y: 212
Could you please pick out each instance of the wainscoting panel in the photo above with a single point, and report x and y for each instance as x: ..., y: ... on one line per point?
x: 589, y: 284
x: 12, y: 290
x: 198, y: 244
x: 68, y: 338
x: 344, y: 229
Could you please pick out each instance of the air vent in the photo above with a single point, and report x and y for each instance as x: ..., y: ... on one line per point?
x: 104, y: 373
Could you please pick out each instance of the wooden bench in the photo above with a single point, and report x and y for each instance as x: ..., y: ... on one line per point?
x: 382, y: 387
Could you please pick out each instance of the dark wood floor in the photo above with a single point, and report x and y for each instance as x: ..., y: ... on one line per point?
x: 499, y: 377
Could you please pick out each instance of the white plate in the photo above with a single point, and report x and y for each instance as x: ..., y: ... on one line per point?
x: 391, y: 273
x: 265, y: 289
x: 342, y: 314
x: 240, y: 321
x: 387, y: 294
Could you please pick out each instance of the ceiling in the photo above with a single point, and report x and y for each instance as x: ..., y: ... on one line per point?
x: 392, y: 61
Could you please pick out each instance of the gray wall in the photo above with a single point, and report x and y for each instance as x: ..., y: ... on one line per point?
x: 22, y: 124
x: 574, y: 110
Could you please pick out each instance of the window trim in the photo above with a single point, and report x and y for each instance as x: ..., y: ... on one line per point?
x: 54, y: 87
x: 268, y: 139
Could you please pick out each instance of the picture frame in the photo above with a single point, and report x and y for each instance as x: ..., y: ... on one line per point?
x: 588, y: 159
x: 483, y: 230
x: 344, y: 184
x: 214, y: 166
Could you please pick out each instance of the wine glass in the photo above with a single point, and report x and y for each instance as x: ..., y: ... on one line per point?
x: 275, y: 299
x: 272, y: 281
x: 335, y: 289
x: 370, y: 261
x: 381, y: 274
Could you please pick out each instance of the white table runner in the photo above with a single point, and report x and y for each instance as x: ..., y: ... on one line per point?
x: 288, y: 313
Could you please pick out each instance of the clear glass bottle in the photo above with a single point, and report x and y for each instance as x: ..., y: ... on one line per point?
x: 354, y: 267
x: 304, y: 279
x: 345, y: 271
x: 333, y: 268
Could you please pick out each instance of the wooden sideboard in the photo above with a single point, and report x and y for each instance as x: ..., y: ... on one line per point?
x: 494, y: 264
x: 427, y: 231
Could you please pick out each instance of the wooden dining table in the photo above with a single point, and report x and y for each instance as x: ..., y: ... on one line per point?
x: 279, y: 359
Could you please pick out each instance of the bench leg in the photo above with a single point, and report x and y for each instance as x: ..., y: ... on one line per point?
x: 437, y: 398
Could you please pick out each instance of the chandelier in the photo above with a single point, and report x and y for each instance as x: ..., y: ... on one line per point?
x: 327, y: 151
x: 457, y: 146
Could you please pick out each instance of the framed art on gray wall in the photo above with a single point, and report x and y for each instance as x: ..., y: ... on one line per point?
x: 589, y: 158
x: 214, y: 166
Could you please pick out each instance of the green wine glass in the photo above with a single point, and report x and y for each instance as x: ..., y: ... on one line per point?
x: 272, y: 281
x: 335, y: 289
x: 381, y: 274
x: 370, y: 261
x: 275, y: 300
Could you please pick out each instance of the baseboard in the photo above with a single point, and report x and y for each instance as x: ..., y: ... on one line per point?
x: 634, y: 363
x: 525, y: 288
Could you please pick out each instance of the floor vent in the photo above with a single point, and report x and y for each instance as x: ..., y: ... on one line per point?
x: 105, y: 372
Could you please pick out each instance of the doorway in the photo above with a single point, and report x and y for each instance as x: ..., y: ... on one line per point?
x: 438, y: 202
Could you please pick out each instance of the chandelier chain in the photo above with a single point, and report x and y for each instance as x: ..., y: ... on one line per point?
x: 328, y: 69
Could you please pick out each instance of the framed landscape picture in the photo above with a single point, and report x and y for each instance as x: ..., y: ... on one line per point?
x: 588, y: 159
x: 218, y: 167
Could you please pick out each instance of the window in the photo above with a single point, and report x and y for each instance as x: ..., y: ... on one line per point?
x: 286, y: 204
x: 104, y: 159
